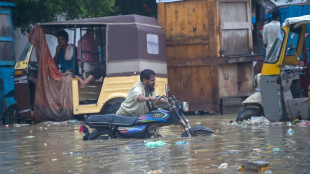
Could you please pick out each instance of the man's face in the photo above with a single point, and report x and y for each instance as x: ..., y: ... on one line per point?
x: 150, y: 83
x: 62, y: 41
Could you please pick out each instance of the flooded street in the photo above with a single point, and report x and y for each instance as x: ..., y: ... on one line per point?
x: 51, y: 148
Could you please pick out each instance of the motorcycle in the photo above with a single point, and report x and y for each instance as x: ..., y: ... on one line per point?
x: 143, y: 126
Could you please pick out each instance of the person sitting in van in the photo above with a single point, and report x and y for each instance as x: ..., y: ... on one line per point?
x: 87, y: 55
x: 64, y: 53
x: 99, y: 71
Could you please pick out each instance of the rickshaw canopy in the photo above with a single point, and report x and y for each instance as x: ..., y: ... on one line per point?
x: 297, y: 20
x: 133, y: 42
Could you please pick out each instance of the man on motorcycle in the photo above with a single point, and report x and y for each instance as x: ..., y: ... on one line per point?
x: 141, y: 97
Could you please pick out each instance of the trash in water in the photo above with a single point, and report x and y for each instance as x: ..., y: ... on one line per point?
x: 29, y: 137
x: 77, y: 153
x: 223, y: 166
x: 255, y: 166
x: 230, y: 152
x: 155, y: 144
x: 276, y: 149
x: 290, y: 131
x: 6, y: 126
x: 302, y: 123
x: 257, y: 150
x: 73, y: 121
x: 259, y: 120
x: 45, y: 144
x: 181, y: 142
x: 54, y: 159
x: 155, y: 172
x: 20, y: 125
x: 56, y: 123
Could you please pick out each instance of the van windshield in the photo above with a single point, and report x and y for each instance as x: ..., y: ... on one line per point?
x: 274, y: 53
x: 24, y: 55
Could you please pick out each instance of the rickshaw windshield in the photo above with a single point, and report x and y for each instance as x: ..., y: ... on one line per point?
x: 292, y: 43
x: 275, y: 50
x: 25, y: 53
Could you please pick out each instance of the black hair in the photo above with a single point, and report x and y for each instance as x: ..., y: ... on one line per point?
x: 275, y: 14
x: 146, y: 74
x: 63, y: 33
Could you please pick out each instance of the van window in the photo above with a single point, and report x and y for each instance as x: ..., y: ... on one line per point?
x: 152, y: 43
x: 275, y: 50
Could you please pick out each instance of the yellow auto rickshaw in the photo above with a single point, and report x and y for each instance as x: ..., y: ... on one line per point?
x: 284, y: 80
x: 126, y: 45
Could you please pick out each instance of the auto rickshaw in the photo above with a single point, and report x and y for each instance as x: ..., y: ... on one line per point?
x: 284, y: 80
x: 126, y: 45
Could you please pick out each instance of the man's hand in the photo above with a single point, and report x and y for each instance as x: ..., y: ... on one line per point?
x: 152, y: 98
x: 58, y: 48
x: 161, y: 101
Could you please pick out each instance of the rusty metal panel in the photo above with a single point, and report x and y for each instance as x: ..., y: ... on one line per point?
x: 235, y: 27
x: 6, y: 40
x: 5, y: 25
x: 228, y: 79
x: 23, y: 97
x: 245, y: 78
x: 197, y: 85
x: 7, y: 51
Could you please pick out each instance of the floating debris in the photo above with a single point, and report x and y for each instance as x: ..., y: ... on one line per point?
x: 259, y: 166
x: 230, y: 152
x: 256, y: 150
x: 155, y: 172
x: 290, y: 131
x: 30, y: 137
x: 20, y: 125
x: 276, y: 149
x: 223, y: 166
x: 181, y: 143
x: 155, y: 144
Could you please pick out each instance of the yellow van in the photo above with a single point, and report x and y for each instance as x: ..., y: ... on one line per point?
x: 126, y: 45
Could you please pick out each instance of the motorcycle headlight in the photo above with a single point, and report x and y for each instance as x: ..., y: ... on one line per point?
x: 184, y: 106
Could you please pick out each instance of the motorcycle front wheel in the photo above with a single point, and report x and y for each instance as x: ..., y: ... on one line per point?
x: 198, y: 131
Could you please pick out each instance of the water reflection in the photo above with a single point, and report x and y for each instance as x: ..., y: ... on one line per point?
x: 59, y: 149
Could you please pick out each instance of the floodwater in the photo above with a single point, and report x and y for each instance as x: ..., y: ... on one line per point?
x: 51, y: 148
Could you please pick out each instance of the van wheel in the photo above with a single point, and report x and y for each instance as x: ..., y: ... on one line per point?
x: 248, y: 113
x: 10, y: 115
x: 112, y: 109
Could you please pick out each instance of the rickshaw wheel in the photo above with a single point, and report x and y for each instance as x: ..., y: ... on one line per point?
x: 248, y: 113
x: 10, y: 115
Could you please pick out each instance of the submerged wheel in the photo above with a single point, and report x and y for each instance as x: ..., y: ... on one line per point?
x: 199, y: 131
x: 10, y: 115
x: 112, y: 109
x: 248, y: 113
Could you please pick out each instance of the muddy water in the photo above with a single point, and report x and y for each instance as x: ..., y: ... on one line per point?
x: 50, y: 148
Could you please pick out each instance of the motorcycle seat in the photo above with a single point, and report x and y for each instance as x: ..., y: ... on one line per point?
x: 97, y: 120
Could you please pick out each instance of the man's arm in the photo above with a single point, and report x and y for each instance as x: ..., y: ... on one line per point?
x: 142, y: 98
x: 56, y: 55
x: 265, y: 31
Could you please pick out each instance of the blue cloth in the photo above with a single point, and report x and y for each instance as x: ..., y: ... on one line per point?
x: 64, y: 64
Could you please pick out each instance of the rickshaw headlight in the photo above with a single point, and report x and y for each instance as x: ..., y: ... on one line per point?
x: 18, y: 72
x: 256, y: 82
